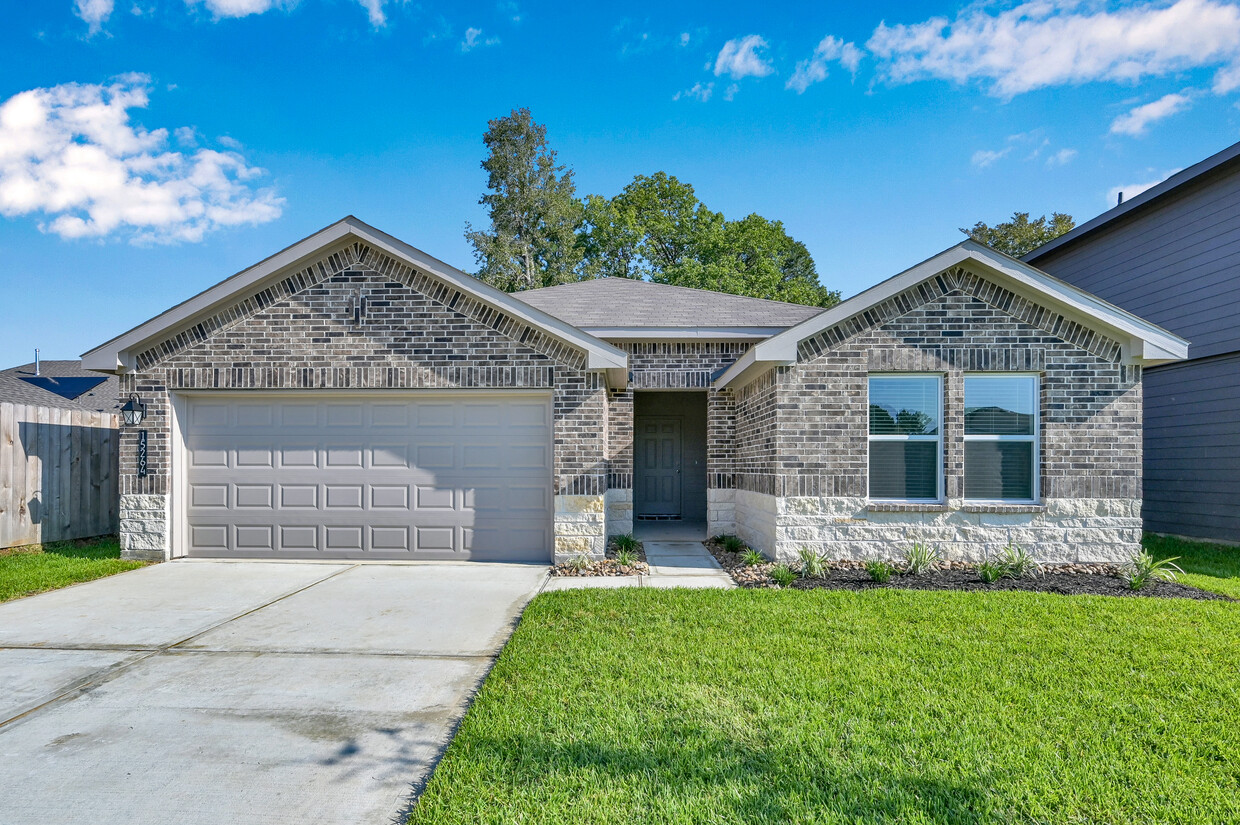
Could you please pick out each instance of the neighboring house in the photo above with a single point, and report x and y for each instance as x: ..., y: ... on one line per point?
x: 1172, y: 255
x: 353, y: 397
x: 61, y: 384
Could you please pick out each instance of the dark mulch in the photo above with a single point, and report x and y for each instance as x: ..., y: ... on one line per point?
x: 608, y: 566
x: 1066, y: 580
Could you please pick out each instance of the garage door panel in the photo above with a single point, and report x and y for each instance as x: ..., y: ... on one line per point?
x: 433, y: 477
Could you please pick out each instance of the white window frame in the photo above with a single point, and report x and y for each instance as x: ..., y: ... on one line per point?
x: 1036, y: 438
x: 938, y: 494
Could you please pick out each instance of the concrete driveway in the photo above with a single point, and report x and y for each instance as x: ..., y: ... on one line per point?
x: 243, y: 692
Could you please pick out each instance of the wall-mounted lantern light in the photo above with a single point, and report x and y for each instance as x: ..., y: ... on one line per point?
x: 134, y: 411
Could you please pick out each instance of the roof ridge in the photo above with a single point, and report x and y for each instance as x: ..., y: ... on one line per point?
x: 584, y: 281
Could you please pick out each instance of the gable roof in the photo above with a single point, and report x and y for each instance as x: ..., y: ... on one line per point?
x: 623, y: 307
x: 117, y: 354
x: 1141, y: 342
x: 1181, y: 178
x: 61, y: 384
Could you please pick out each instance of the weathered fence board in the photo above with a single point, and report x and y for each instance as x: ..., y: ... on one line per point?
x: 57, y: 474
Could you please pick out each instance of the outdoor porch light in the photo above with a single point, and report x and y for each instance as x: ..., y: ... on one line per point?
x: 134, y: 410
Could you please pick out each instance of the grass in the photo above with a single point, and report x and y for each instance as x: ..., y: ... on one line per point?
x: 28, y: 571
x: 819, y: 706
x: 1213, y: 567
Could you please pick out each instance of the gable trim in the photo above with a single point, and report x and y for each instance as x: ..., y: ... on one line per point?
x: 1035, y: 298
x: 120, y: 353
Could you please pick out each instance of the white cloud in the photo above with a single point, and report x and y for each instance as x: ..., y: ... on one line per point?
x: 1061, y: 158
x: 739, y: 58
x: 474, y: 39
x: 71, y: 155
x: 983, y: 158
x: 684, y: 38
x: 1137, y: 120
x: 1131, y: 190
x: 730, y: 92
x: 814, y: 70
x: 93, y: 12
x: 1045, y: 43
x: 244, y: 8
x: 700, y: 92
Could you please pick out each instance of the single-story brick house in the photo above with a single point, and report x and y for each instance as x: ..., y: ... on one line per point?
x: 353, y: 397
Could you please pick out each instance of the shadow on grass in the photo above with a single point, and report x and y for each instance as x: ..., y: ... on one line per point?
x: 99, y: 547
x: 683, y: 776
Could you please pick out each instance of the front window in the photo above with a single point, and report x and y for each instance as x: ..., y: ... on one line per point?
x: 906, y: 437
x: 1001, y: 437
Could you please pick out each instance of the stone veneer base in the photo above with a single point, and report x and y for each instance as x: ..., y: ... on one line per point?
x: 144, y: 527
x: 619, y: 504
x: 1062, y: 531
x: 580, y: 524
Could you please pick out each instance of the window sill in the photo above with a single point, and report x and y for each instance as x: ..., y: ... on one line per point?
x: 1000, y: 507
x: 906, y: 507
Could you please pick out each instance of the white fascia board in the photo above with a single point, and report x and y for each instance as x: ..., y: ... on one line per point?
x: 1009, y: 272
x: 682, y: 333
x: 113, y: 355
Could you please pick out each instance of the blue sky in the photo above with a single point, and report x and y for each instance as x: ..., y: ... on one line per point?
x: 149, y: 149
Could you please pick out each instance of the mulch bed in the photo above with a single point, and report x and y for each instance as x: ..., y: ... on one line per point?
x: 1063, y: 579
x: 607, y: 566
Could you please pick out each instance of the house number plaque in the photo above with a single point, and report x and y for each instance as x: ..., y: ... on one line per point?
x: 141, y: 453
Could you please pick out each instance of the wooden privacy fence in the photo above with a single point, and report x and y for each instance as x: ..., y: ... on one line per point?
x: 58, y: 471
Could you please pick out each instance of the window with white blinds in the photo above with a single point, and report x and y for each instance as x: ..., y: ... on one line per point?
x: 1001, y: 437
x: 906, y: 437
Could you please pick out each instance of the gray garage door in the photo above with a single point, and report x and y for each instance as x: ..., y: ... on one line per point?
x: 428, y: 476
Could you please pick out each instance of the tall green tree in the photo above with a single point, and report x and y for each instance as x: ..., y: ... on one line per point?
x: 657, y: 229
x: 1021, y: 235
x: 532, y: 204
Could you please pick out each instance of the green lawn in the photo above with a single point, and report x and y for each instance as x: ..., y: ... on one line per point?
x: 1208, y: 566
x: 826, y: 706
x: 27, y: 572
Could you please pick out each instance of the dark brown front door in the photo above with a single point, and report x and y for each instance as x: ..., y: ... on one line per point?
x: 658, y: 467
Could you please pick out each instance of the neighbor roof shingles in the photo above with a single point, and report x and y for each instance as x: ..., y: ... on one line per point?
x: 101, y: 398
x: 624, y: 302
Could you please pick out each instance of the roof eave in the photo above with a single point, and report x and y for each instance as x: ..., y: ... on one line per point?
x: 116, y: 354
x: 1143, y: 343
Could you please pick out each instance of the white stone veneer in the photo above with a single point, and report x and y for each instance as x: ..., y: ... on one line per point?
x: 619, y: 512
x: 720, y: 512
x: 144, y: 527
x: 1065, y: 530
x: 755, y: 520
x: 580, y: 522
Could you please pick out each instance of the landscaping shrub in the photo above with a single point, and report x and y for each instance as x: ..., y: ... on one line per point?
x: 752, y: 557
x: 813, y: 565
x: 782, y: 575
x: 920, y: 559
x: 880, y: 570
x: 1142, y: 567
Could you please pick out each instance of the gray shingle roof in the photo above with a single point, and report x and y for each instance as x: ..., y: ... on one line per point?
x: 623, y: 302
x: 15, y: 390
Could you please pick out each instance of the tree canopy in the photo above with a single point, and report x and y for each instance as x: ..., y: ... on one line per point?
x: 1021, y: 235
x: 533, y: 208
x: 656, y: 229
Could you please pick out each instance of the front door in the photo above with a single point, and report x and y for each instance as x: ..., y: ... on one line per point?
x: 658, y: 467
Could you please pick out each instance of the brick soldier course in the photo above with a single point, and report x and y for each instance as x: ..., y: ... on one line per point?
x: 786, y: 443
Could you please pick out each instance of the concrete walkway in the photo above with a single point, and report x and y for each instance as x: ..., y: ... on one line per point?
x: 672, y: 564
x: 243, y: 692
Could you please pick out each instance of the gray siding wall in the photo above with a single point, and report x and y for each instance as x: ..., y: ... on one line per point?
x: 1192, y: 448
x: 1176, y: 262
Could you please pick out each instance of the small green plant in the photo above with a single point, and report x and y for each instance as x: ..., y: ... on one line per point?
x: 813, y: 564
x: 880, y: 570
x: 578, y: 562
x: 1018, y: 564
x: 991, y: 571
x: 625, y: 541
x: 625, y: 557
x: 1142, y: 567
x: 751, y: 557
x: 920, y: 559
x: 782, y: 575
x: 733, y: 544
